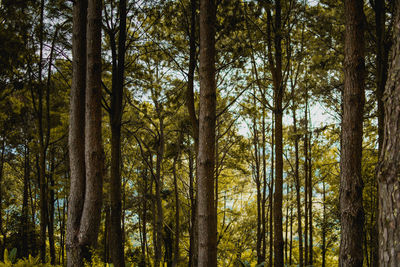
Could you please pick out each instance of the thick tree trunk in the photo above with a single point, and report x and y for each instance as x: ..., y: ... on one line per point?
x: 86, y: 156
x: 389, y: 167
x: 116, y: 241
x: 207, y: 232
x: 351, y: 184
x: 91, y: 214
x: 75, y: 140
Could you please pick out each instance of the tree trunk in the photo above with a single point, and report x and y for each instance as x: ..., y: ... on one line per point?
x: 42, y: 149
x: 389, y: 167
x: 193, y: 250
x: 116, y: 242
x: 351, y: 184
x: 75, y: 140
x: 25, y: 208
x: 176, y: 189
x: 275, y: 65
x: 306, y: 186
x: 86, y: 158
x: 310, y: 189
x: 297, y: 181
x: 51, y: 213
x: 207, y: 237
x: 323, y: 230
x: 258, y: 187
x: 91, y: 214
x: 192, y: 241
x: 2, y: 244
x: 382, y: 53
x: 264, y: 190
x: 271, y: 190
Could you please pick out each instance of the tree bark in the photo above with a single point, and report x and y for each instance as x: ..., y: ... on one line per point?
x: 86, y: 156
x: 177, y: 206
x: 75, y: 140
x: 91, y: 213
x: 351, y: 184
x: 207, y: 232
x: 323, y: 228
x: 116, y: 242
x: 382, y: 54
x: 389, y: 167
x: 297, y: 184
x: 306, y: 186
x: 274, y: 34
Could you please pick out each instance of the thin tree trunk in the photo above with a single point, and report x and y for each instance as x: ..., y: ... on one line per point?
x: 297, y: 181
x: 351, y: 184
x: 271, y: 190
x: 389, y: 167
x: 310, y: 189
x: 158, y: 187
x: 291, y: 234
x: 42, y: 150
x: 2, y: 244
x: 382, y: 54
x: 106, y: 243
x: 264, y: 190
x: 144, y: 221
x: 258, y: 187
x: 193, y: 250
x: 25, y: 199
x: 207, y: 237
x: 275, y: 64
x: 51, y: 213
x: 192, y: 241
x: 286, y: 223
x: 176, y: 189
x: 116, y: 241
x: 306, y: 186
x: 323, y: 252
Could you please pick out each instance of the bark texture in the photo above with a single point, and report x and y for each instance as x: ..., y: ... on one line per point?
x: 116, y: 237
x: 86, y: 154
x: 351, y: 184
x: 389, y: 162
x: 207, y: 230
x: 91, y: 218
x: 76, y: 128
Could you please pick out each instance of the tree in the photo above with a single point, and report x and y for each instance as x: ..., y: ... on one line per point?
x: 351, y: 184
x: 116, y: 236
x: 389, y: 168
x: 86, y: 156
x: 207, y: 231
